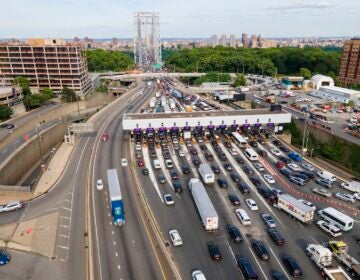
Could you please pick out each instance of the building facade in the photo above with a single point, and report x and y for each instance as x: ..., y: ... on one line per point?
x: 223, y: 41
x: 214, y: 41
x: 10, y: 96
x: 46, y: 63
x: 245, y: 40
x: 232, y: 41
x: 350, y: 63
x: 337, y: 94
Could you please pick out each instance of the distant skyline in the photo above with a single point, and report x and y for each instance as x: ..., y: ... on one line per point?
x: 180, y: 19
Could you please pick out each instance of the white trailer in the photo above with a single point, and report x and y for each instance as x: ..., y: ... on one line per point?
x: 322, y: 257
x: 152, y: 102
x: 207, y: 212
x: 206, y: 174
x: 295, y: 208
x: 172, y: 103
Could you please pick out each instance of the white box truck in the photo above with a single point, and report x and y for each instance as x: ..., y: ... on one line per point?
x: 206, y: 210
x: 322, y: 257
x: 153, y: 102
x: 327, y: 175
x: 206, y: 174
x: 295, y: 208
x: 353, y: 186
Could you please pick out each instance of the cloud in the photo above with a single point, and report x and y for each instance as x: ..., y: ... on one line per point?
x: 302, y: 5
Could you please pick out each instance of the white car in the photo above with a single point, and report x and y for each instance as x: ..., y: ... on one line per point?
x: 233, y: 152
x: 357, y: 196
x: 169, y: 163
x: 345, y: 197
x: 138, y: 147
x: 175, y: 237
x: 294, y: 167
x: 299, y: 100
x: 181, y: 154
x: 10, y: 206
x: 124, y: 162
x: 198, y: 275
x: 268, y: 178
x: 99, y: 185
x: 169, y: 199
x: 328, y: 228
x: 175, y: 141
x: 259, y: 166
x: 251, y: 204
x: 308, y: 203
x: 308, y: 166
x: 276, y: 152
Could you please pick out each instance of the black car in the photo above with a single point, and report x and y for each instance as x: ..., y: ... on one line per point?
x: 285, y: 159
x: 177, y: 187
x: 222, y: 183
x: 215, y: 169
x: 284, y: 149
x: 185, y: 169
x: 262, y: 153
x: 276, y: 142
x: 214, y: 251
x: 203, y: 147
x: 301, y: 176
x: 243, y: 188
x: 234, y: 233
x: 234, y: 199
x: 228, y: 167
x: 246, y: 268
x: 222, y: 157
x: 292, y: 266
x: 9, y: 126
x: 260, y: 250
x: 195, y: 160
x: 286, y: 172
x: 255, y: 181
x: 145, y: 171
x: 253, y: 144
x: 235, y: 177
x: 239, y: 159
x: 174, y: 175
x: 309, y: 174
x: 247, y: 170
x: 227, y: 144
x: 209, y: 156
x: 193, y: 151
x: 278, y: 276
x: 267, y: 194
x: 276, y: 236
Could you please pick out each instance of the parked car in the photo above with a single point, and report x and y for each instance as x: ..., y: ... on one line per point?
x: 234, y: 199
x: 10, y: 206
x: 268, y: 220
x: 234, y: 233
x: 260, y: 250
x: 292, y: 266
x: 243, y: 188
x: 276, y: 236
x: 214, y: 251
x: 322, y: 192
x: 222, y: 183
x: 251, y: 204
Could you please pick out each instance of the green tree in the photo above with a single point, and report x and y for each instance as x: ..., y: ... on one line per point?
x: 354, y: 86
x: 21, y: 82
x: 48, y: 93
x: 306, y: 73
x: 5, y: 112
x: 68, y: 95
x: 240, y: 80
x: 101, y: 60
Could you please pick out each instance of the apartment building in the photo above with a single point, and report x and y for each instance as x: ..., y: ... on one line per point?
x: 350, y: 63
x: 46, y: 63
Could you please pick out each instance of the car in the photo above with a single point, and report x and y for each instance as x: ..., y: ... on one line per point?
x: 277, y: 275
x: 166, y: 155
x: 260, y: 250
x: 322, y: 192
x: 222, y: 183
x: 279, y: 164
x: 276, y: 142
x: 138, y: 155
x: 177, y: 186
x: 145, y: 171
x: 105, y: 137
x: 251, y: 204
x: 185, y: 169
x: 4, y: 257
x: 345, y: 197
x: 267, y: 194
x: 268, y: 220
x: 234, y: 233
x: 255, y: 181
x: 227, y: 144
x: 276, y: 236
x: 175, y: 140
x: 234, y: 199
x: 297, y: 180
x: 175, y: 237
x: 292, y: 266
x: 293, y: 167
x: 215, y: 169
x: 169, y: 164
x: 328, y: 228
x: 235, y: 177
x: 140, y: 163
x: 246, y: 267
x: 99, y: 185
x: 247, y: 170
x: 276, y: 191
x: 276, y: 152
x: 195, y: 160
x: 228, y: 167
x: 253, y: 144
x: 10, y: 206
x: 181, y: 153
x: 209, y: 156
x: 285, y: 159
x: 243, y: 188
x: 300, y: 175
x: 284, y: 149
x: 124, y: 162
x: 233, y: 152
x: 262, y: 153
x: 269, y: 178
x: 294, y: 156
x: 259, y: 166
x: 240, y: 160
x: 308, y: 174
x: 174, y: 175
x: 7, y: 125
x: 356, y: 196
x: 203, y: 147
x: 137, y: 147
x: 161, y: 178
x: 286, y: 172
x: 168, y: 199
x: 214, y: 251
x: 324, y: 183
x: 308, y: 203
x: 308, y: 166
x: 193, y: 151
x: 198, y: 275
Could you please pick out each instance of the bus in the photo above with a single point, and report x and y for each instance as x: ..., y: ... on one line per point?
x: 116, y: 201
x: 335, y: 217
x: 239, y: 140
x: 251, y: 154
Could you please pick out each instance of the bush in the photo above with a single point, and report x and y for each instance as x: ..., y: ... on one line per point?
x: 5, y: 112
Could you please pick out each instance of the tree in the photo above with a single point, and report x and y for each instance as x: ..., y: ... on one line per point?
x: 5, y: 112
x: 240, y: 80
x: 306, y: 73
x: 24, y: 84
x: 48, y: 93
x: 68, y: 95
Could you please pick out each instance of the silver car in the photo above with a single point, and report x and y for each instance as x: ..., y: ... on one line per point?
x: 345, y: 197
x: 10, y: 206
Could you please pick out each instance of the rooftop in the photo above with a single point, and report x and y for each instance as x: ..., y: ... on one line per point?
x: 340, y: 89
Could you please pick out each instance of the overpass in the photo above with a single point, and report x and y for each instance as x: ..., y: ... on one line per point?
x: 119, y: 76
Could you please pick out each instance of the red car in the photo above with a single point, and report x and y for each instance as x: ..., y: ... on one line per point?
x: 105, y: 137
x: 140, y: 163
x: 279, y: 164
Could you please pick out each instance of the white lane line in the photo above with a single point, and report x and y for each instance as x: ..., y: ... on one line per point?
x: 65, y: 208
x: 64, y: 226
x: 64, y: 235
x: 112, y: 232
x: 63, y: 247
x: 62, y: 260
x: 231, y: 251
x: 282, y: 267
x: 81, y: 155
x: 116, y: 254
x: 119, y: 267
x: 257, y: 262
x: 66, y: 218
x: 114, y: 242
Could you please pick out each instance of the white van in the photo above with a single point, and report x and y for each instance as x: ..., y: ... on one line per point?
x: 243, y: 217
x: 251, y: 154
x: 327, y: 175
x: 156, y: 164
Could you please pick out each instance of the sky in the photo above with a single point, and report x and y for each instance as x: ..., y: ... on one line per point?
x: 179, y: 18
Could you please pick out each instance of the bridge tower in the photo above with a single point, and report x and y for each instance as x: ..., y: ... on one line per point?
x: 147, y: 44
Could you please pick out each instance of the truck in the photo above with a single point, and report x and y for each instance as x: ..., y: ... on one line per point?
x: 353, y: 186
x: 152, y: 102
x: 149, y: 84
x: 295, y: 208
x: 322, y: 257
x: 172, y: 103
x: 206, y: 174
x: 327, y: 175
x: 205, y: 207
x: 340, y: 251
x: 116, y: 202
